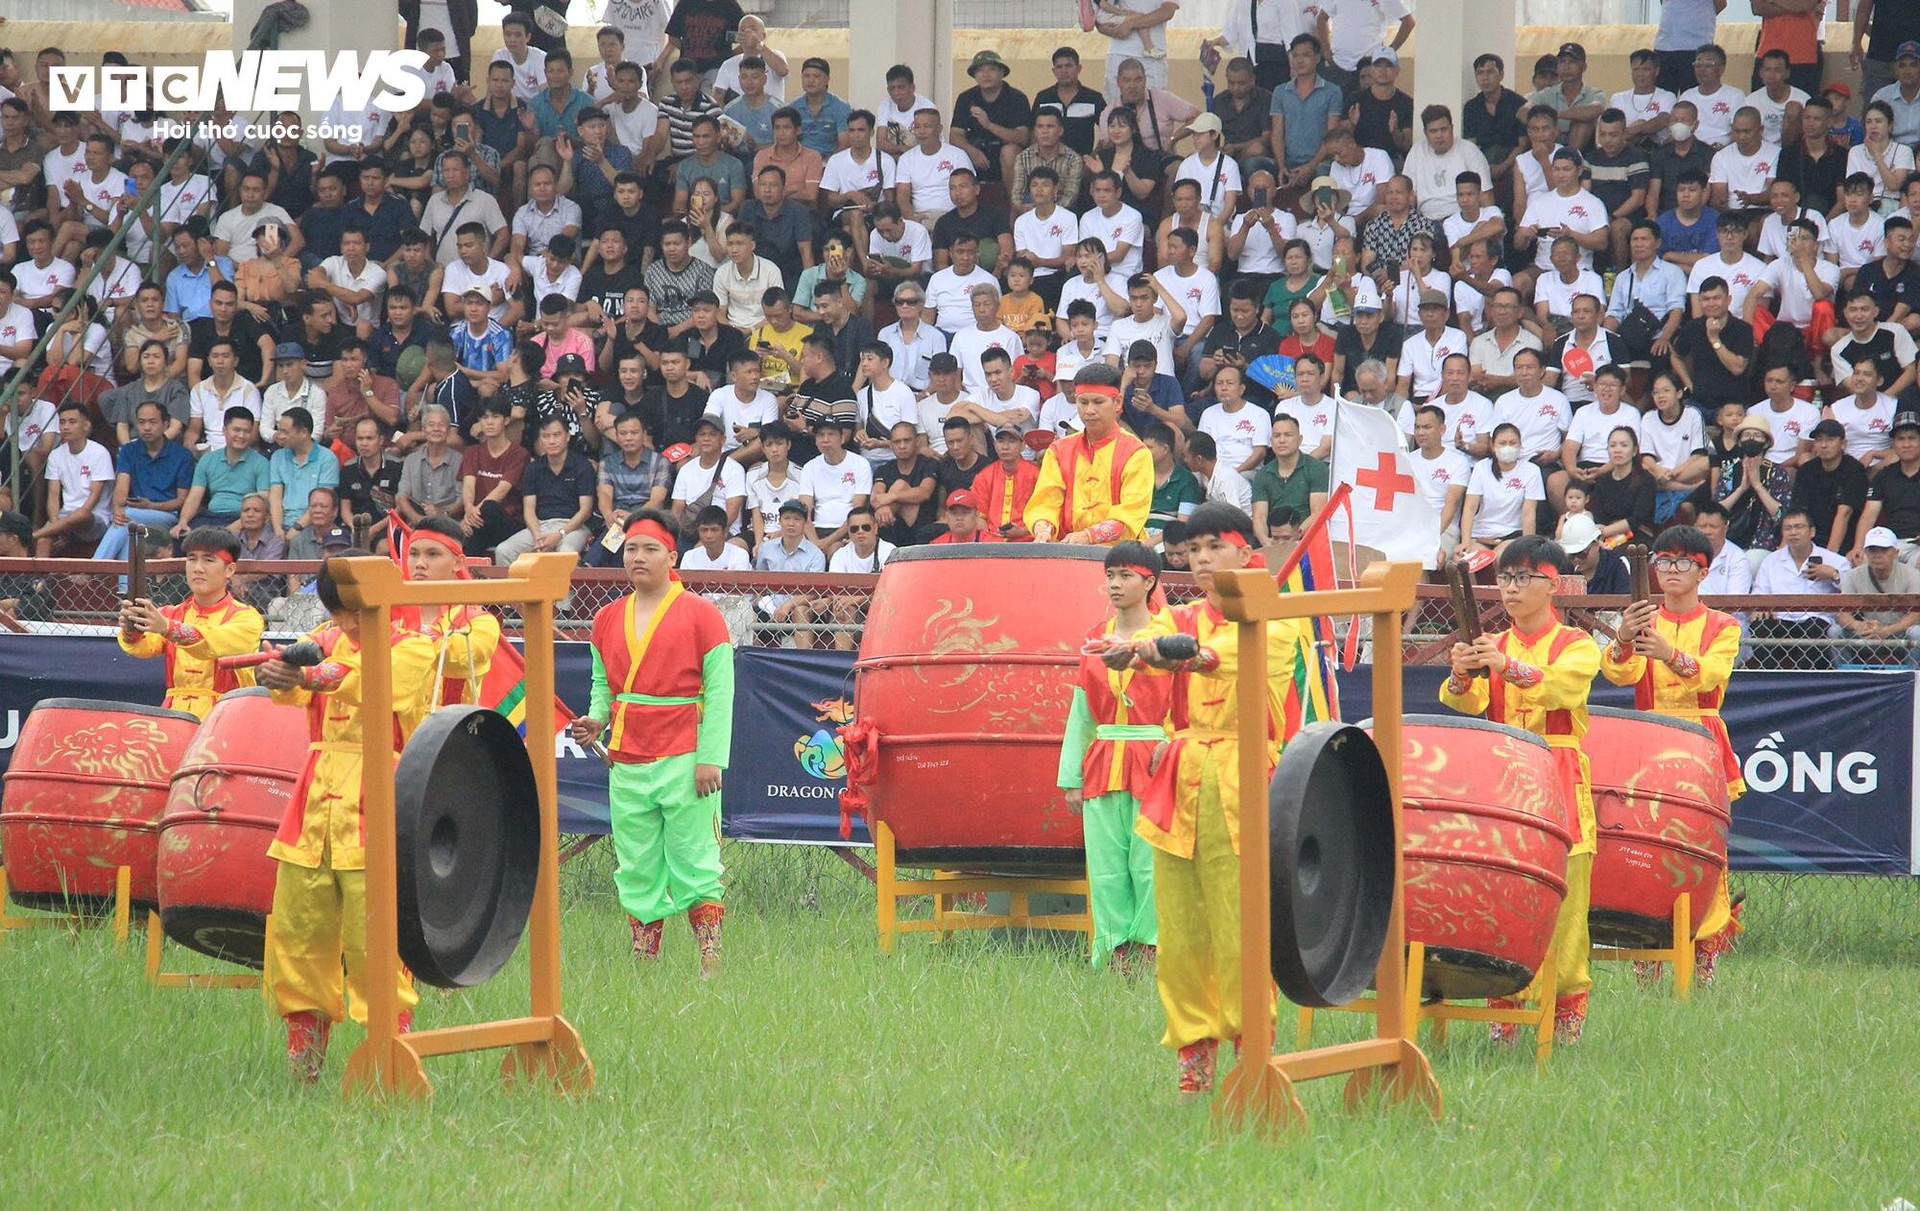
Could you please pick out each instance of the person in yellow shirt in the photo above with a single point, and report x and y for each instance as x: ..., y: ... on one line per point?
x: 193, y: 635
x: 1537, y: 676
x: 1116, y: 719
x: 1190, y: 812
x: 1679, y: 659
x: 464, y: 637
x: 779, y: 339
x: 1095, y: 486
x: 320, y: 894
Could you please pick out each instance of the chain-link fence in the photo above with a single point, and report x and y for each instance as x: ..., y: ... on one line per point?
x: 818, y: 610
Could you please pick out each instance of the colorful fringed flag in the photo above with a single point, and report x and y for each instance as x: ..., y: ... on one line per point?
x: 1307, y: 568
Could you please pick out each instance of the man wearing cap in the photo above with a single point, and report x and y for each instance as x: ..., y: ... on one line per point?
x: 964, y: 520
x: 1577, y: 102
x: 1605, y: 571
x: 1903, y: 95
x: 1832, y: 487
x: 992, y: 120
x: 1881, y: 636
x: 1424, y: 353
x: 1005, y: 487
x: 291, y: 388
x: 1893, y: 499
x: 1095, y: 486
x: 835, y: 482
x: 1679, y: 656
x: 663, y: 693
x: 1381, y: 116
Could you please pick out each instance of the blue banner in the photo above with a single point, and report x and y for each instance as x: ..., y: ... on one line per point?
x: 1828, y: 757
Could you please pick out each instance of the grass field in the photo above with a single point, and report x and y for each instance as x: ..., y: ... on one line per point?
x: 985, y: 1071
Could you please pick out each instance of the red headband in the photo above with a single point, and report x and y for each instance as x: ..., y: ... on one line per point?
x: 1142, y: 573
x: 419, y: 536
x: 1234, y: 538
x: 1548, y: 570
x: 225, y: 556
x: 1704, y: 563
x: 653, y: 529
x: 1080, y: 389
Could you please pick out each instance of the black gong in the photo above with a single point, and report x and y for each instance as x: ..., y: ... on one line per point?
x: 467, y: 845
x: 1330, y: 830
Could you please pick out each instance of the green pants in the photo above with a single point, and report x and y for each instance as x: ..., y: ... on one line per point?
x: 1119, y: 875
x: 665, y: 836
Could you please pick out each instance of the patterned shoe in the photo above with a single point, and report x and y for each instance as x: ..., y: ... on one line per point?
x: 1121, y: 960
x: 1647, y: 973
x: 1145, y: 956
x: 1503, y: 1033
x: 1569, y: 1019
x: 406, y: 1021
x: 646, y: 938
x: 705, y: 919
x: 306, y: 1045
x: 1196, y: 1066
x: 1706, y: 954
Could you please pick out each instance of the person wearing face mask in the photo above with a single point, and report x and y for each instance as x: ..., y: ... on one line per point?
x: 1503, y: 497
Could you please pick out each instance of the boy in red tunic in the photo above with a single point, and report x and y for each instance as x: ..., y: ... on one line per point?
x: 663, y: 692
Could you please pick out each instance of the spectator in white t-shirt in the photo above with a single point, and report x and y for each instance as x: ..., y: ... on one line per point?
x: 1154, y: 315
x: 79, y: 482
x: 1503, y: 496
x: 1221, y: 481
x: 925, y: 168
x: 833, y: 484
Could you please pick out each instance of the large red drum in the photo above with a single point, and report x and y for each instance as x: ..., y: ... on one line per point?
x: 229, y: 795
x: 1487, y: 834
x: 1660, y: 801
x: 84, y: 793
x: 960, y: 700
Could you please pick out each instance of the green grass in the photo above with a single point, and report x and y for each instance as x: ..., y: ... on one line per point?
x: 981, y: 1072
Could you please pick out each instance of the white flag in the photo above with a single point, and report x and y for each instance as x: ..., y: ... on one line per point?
x: 1391, y: 513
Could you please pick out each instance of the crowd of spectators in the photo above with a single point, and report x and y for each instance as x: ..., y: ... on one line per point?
x: 689, y: 275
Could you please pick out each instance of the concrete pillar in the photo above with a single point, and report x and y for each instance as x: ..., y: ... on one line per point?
x: 1450, y: 35
x: 337, y: 25
x: 918, y: 33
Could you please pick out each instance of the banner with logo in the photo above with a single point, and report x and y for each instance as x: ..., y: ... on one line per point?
x: 1828, y: 757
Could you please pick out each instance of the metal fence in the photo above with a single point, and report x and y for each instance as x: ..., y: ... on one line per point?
x: 819, y: 610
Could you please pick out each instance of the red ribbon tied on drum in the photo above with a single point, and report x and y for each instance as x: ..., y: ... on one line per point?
x: 861, y: 750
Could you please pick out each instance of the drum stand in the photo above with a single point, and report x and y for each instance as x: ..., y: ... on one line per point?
x: 946, y: 885
x: 1259, y: 1092
x: 1538, y: 1019
x: 120, y: 921
x: 156, y: 940
x: 1679, y: 952
x: 543, y: 1043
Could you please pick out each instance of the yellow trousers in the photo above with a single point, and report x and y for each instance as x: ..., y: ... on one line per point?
x: 319, y: 929
x: 1719, y: 911
x: 1197, y: 901
x: 1571, y: 943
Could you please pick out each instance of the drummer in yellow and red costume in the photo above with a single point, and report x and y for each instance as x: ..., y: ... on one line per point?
x: 663, y: 693
x: 1538, y: 676
x: 464, y: 637
x: 1095, y: 486
x: 1679, y: 663
x: 196, y: 633
x: 1116, y: 719
x: 1190, y: 812
x: 320, y: 893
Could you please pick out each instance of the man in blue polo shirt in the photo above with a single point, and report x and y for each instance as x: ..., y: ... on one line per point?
x: 190, y: 285
x: 223, y: 478
x: 153, y: 477
x: 1304, y: 109
x: 556, y: 110
x: 823, y: 116
x: 299, y: 466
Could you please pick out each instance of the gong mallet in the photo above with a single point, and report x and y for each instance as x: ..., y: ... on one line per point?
x: 1466, y: 611
x: 136, y: 567
x: 1641, y: 575
x: 303, y: 654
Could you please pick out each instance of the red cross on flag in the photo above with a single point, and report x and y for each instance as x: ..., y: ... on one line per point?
x: 1391, y: 513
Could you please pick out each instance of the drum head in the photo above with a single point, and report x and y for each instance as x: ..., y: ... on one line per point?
x: 467, y: 845
x: 1331, y: 844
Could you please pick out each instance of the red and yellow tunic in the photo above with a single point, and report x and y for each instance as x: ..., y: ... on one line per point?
x: 1544, y: 691
x: 464, y: 640
x: 977, y: 536
x: 325, y: 824
x: 1705, y: 644
x: 195, y: 639
x: 1205, y: 716
x: 1003, y: 497
x: 663, y: 683
x: 1083, y: 485
x: 1116, y: 719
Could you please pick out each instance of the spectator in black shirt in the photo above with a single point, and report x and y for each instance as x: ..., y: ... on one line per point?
x: 633, y: 334
x: 988, y: 224
x: 1815, y: 162
x: 962, y: 462
x: 369, y: 482
x: 293, y: 186
x: 1894, y: 280
x: 782, y: 228
x: 1082, y: 106
x: 1605, y: 571
x: 904, y: 487
x: 603, y: 288
x: 572, y: 402
x: 992, y: 121
x: 711, y: 344
x: 700, y: 32
x: 1491, y: 120
x: 1243, y: 108
x: 840, y: 319
x: 1673, y: 158
x: 1831, y: 487
x: 1374, y: 109
x: 673, y: 406
x: 405, y: 329
x: 1369, y: 336
x: 1893, y: 499
x: 251, y: 341
x: 1714, y: 351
